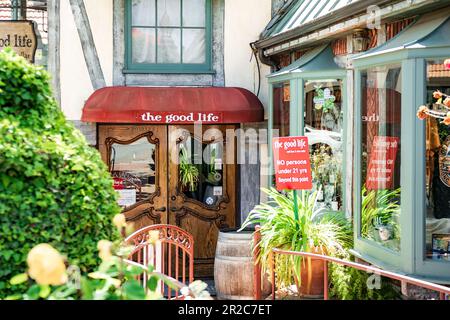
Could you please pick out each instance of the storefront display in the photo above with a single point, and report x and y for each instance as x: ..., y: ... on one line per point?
x: 381, y: 149
x: 437, y: 161
x: 378, y: 125
x: 167, y: 167
x: 323, y: 125
x: 281, y: 113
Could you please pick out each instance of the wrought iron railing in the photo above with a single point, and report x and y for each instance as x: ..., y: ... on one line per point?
x: 443, y: 290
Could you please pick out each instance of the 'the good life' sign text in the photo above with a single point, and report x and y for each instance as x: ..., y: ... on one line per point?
x: 292, y: 163
x: 20, y: 36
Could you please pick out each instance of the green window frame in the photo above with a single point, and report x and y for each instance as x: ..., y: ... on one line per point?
x: 296, y: 115
x: 410, y: 259
x: 368, y: 250
x: 205, y: 68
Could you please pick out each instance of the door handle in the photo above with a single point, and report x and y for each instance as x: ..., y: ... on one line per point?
x: 175, y: 209
x: 162, y: 209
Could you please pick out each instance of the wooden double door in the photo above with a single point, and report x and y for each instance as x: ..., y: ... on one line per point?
x: 178, y: 174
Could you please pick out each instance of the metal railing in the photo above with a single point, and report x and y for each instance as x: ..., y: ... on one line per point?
x: 443, y: 290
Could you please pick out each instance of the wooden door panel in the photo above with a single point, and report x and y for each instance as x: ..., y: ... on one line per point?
x: 196, y: 217
x: 206, y: 232
x: 148, y: 210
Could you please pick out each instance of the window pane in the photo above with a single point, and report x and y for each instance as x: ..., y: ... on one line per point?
x: 143, y: 43
x: 169, y: 14
x: 134, y: 170
x: 437, y: 167
x: 143, y: 12
x: 381, y: 150
x: 194, y: 13
x: 281, y: 101
x: 194, y: 46
x: 201, y: 180
x: 169, y: 45
x: 281, y: 114
x: 323, y: 127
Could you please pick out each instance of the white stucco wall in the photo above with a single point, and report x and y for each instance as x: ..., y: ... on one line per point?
x: 75, y: 82
x: 244, y: 21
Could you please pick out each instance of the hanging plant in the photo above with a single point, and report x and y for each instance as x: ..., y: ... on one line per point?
x: 442, y: 110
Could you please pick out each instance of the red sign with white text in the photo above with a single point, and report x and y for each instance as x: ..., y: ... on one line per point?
x: 179, y: 117
x: 292, y: 163
x: 380, y: 173
x: 118, y: 183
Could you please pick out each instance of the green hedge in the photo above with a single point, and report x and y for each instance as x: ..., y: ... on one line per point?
x: 54, y: 188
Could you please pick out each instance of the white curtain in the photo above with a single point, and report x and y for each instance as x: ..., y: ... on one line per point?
x: 143, y: 39
x: 194, y: 46
x: 143, y: 12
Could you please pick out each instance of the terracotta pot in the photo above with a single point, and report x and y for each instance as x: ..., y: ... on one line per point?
x: 312, y: 277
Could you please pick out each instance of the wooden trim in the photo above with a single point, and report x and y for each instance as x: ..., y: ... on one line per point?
x: 54, y: 56
x: 87, y: 43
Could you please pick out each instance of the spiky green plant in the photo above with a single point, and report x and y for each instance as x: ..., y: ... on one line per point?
x: 379, y: 207
x: 315, y: 228
x: 189, y: 173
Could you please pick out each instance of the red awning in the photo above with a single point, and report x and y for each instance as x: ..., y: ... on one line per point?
x: 172, y: 105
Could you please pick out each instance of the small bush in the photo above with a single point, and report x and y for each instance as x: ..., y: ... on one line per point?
x: 54, y: 188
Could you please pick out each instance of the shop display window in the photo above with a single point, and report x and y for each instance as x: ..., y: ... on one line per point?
x: 437, y: 215
x: 323, y: 120
x: 281, y: 112
x: 380, y: 159
x: 281, y: 105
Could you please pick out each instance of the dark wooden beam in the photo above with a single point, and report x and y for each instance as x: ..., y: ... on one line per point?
x: 53, y: 8
x: 87, y: 43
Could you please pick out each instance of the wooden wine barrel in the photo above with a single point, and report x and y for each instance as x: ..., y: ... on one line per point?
x: 233, y: 267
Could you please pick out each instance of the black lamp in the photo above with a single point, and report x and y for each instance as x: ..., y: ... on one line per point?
x: 360, y: 40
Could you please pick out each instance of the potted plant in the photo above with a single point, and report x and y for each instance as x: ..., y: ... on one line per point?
x: 188, y: 173
x: 315, y: 230
x: 380, y: 211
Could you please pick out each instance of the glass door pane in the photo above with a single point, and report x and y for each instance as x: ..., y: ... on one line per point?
x: 381, y: 150
x: 323, y: 126
x: 133, y: 169
x: 437, y: 215
x: 201, y: 181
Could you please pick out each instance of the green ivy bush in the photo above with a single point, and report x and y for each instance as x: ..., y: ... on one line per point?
x: 54, y: 188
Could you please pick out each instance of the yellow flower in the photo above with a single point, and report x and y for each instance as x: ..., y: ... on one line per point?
x: 119, y: 221
x: 104, y: 248
x: 46, y: 265
x: 153, y: 236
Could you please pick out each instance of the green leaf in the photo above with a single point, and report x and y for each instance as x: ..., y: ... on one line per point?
x: 45, y: 291
x: 18, y: 279
x: 152, y: 283
x: 14, y: 297
x: 33, y: 292
x: 133, y: 290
